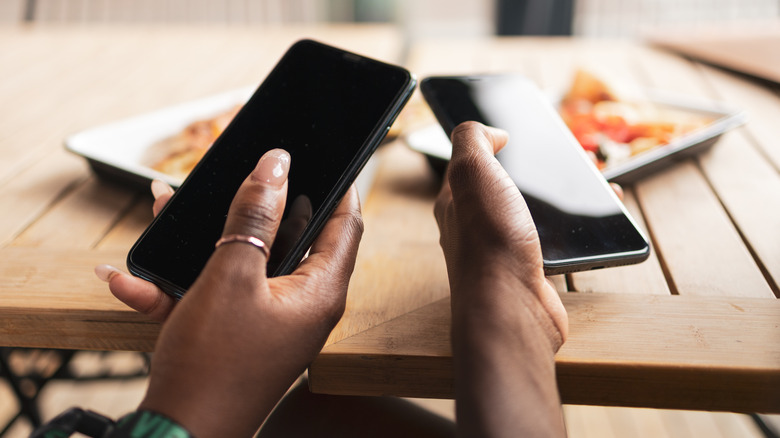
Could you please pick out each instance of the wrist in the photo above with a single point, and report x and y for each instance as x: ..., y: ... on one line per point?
x: 505, y: 305
x: 209, y: 410
x: 504, y: 366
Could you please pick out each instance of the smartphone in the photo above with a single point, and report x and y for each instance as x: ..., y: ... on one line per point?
x: 582, y: 224
x: 329, y: 109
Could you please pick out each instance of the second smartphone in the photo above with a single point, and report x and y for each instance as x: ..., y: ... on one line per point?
x: 582, y: 224
x: 329, y: 109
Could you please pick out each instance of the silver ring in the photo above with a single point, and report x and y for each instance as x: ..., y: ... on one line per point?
x: 254, y: 241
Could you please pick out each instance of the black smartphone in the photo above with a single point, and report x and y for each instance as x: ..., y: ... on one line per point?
x: 582, y: 224
x: 329, y: 109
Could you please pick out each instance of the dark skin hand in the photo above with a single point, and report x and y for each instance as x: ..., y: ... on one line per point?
x: 507, y: 319
x: 235, y: 343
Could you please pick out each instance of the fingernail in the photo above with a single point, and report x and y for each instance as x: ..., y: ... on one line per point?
x: 159, y: 188
x: 273, y: 168
x: 106, y: 272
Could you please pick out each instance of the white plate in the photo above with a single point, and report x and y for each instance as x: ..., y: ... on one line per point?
x: 434, y: 144
x: 124, y: 150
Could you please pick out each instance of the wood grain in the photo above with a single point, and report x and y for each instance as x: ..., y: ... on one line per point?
x: 746, y: 184
x: 52, y: 299
x: 133, y: 70
x: 728, y: 367
x: 681, y: 210
x: 713, y: 347
x: 751, y: 48
x: 623, y: 364
x: 760, y: 105
x: 693, y: 241
x: 400, y: 266
x: 129, y: 228
x: 80, y: 219
x: 31, y: 193
x: 58, y: 80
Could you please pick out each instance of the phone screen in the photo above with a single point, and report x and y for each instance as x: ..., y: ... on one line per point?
x: 329, y: 109
x: 581, y: 223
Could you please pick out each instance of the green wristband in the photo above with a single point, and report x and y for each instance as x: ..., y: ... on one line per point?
x: 147, y: 424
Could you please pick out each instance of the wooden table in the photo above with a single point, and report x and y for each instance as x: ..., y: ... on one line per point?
x: 697, y: 326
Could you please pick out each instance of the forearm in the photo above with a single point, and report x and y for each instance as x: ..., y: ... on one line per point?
x: 504, y: 366
x: 212, y: 410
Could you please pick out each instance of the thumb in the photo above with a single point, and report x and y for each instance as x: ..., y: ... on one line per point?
x: 473, y: 171
x: 473, y: 137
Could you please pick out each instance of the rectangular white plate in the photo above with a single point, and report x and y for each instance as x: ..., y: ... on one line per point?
x: 124, y: 151
x: 432, y: 142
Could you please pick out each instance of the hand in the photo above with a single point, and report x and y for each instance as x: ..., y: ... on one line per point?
x: 137, y: 293
x: 507, y: 319
x: 146, y: 297
x: 488, y: 235
x: 237, y: 340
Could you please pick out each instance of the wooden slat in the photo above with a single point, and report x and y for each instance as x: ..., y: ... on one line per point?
x: 52, y: 299
x: 61, y: 277
x: 81, y: 219
x: 746, y: 184
x: 125, y: 69
x: 134, y: 76
x: 695, y: 237
x: 29, y: 194
x: 413, y: 350
x: 762, y: 106
x: 696, y: 351
x: 400, y: 242
x: 624, y: 350
x: 400, y: 265
x: 415, y: 358
x: 40, y: 108
x: 75, y: 330
x: 682, y: 212
x: 129, y: 228
x: 555, y: 63
x: 21, y: 115
x: 749, y: 47
x: 750, y: 189
x: 56, y: 279
x: 101, y: 75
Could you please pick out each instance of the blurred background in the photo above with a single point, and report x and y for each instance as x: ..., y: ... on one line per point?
x: 418, y: 18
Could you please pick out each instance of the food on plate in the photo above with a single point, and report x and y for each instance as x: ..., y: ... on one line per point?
x: 185, y: 149
x: 611, y: 130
